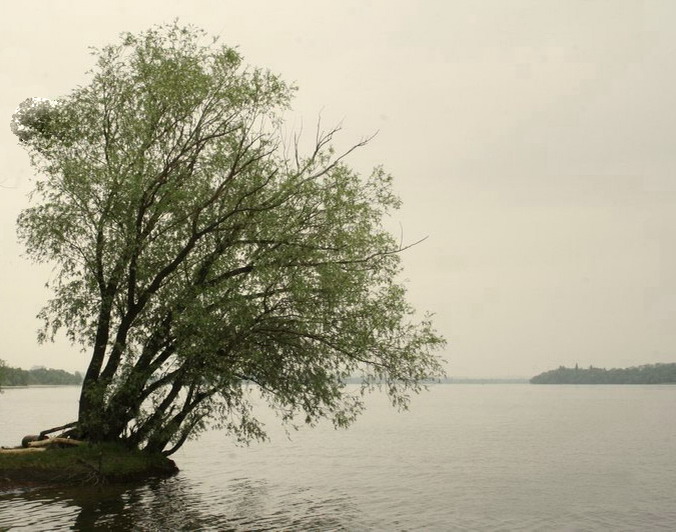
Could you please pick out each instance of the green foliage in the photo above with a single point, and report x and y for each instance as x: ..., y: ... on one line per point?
x: 646, y: 374
x: 37, y: 376
x: 198, y: 252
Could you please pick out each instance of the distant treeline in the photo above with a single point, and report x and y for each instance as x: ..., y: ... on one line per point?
x: 479, y: 380
x: 28, y: 377
x: 457, y: 380
x: 647, y: 374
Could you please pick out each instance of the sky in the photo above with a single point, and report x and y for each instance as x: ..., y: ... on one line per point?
x: 530, y: 141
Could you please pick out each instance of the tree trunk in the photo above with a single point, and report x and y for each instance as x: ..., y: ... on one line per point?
x: 91, y: 396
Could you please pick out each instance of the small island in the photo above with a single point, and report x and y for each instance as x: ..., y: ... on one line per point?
x: 646, y: 374
x: 60, y: 461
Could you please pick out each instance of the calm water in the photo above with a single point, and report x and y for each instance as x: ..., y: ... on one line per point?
x: 466, y: 457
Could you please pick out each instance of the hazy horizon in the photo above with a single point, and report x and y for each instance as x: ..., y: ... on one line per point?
x: 529, y: 141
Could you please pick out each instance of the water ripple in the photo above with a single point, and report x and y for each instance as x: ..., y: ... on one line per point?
x: 466, y: 458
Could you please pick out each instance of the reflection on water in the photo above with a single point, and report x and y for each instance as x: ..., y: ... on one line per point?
x: 173, y: 504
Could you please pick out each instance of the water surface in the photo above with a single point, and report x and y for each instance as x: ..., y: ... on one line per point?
x: 465, y: 457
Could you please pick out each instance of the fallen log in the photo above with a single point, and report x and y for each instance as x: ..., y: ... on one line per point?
x: 20, y: 450
x: 49, y: 431
x: 54, y: 441
x: 31, y: 437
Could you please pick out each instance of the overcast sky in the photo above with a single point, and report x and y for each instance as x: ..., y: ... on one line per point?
x: 530, y: 140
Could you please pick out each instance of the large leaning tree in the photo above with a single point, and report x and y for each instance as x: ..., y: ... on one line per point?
x: 201, y: 259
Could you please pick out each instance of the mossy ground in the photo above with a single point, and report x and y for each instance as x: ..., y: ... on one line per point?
x: 86, y: 464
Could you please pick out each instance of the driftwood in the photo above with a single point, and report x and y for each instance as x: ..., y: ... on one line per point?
x: 49, y: 431
x: 20, y: 450
x: 31, y: 437
x: 54, y: 441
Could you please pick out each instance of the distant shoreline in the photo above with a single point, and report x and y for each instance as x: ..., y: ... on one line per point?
x: 649, y: 374
x: 37, y: 376
x: 3, y: 387
x: 452, y: 380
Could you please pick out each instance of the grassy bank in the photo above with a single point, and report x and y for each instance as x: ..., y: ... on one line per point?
x: 86, y: 464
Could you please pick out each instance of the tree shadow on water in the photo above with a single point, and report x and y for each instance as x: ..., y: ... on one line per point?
x: 181, y: 504
x: 161, y: 504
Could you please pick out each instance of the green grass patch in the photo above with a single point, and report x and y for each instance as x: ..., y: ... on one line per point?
x: 86, y: 464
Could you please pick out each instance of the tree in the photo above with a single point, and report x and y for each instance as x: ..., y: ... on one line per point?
x: 200, y: 257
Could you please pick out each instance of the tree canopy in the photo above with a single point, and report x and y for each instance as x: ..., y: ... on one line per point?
x: 201, y: 256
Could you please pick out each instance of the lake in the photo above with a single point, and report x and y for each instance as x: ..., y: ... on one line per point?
x: 464, y: 457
